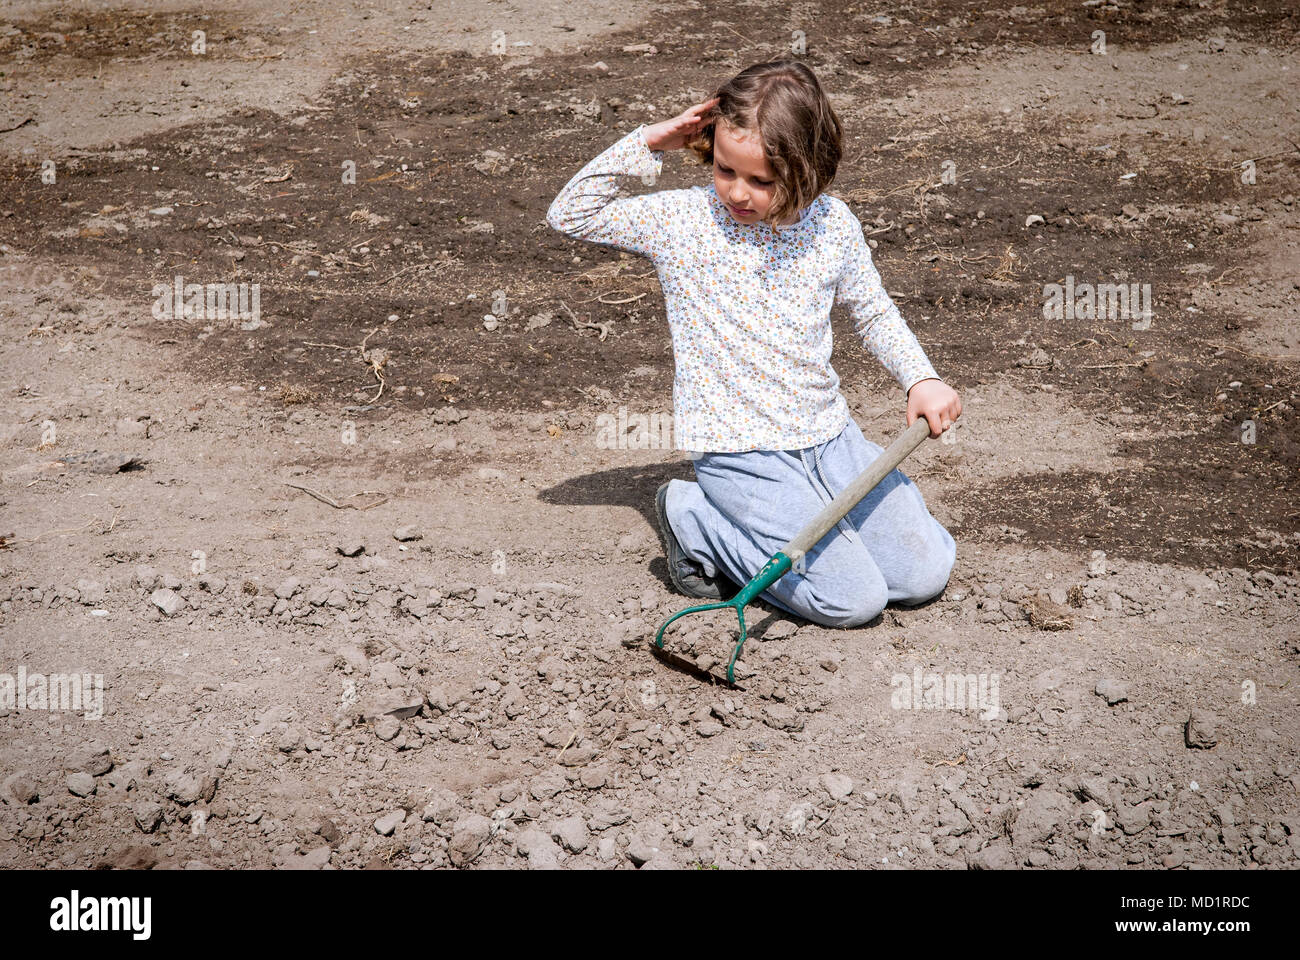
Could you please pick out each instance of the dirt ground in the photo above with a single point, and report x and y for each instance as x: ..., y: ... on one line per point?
x: 446, y: 664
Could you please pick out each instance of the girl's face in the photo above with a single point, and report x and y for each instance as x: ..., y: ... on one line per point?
x: 741, y: 176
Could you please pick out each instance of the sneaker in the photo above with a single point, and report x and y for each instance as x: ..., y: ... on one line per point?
x: 687, y: 575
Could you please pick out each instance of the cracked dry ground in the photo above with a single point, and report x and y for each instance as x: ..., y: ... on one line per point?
x: 457, y: 675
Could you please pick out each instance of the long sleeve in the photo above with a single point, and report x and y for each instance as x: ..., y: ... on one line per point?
x: 875, y: 317
x: 590, y: 208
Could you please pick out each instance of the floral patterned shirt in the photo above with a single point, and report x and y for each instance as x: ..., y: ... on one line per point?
x: 748, y: 304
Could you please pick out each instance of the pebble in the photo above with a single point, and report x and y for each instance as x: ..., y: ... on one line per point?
x: 1133, y: 820
x: 1042, y: 815
x: 407, y: 534
x: 837, y: 785
x: 350, y: 546
x: 288, y: 588
x: 468, y: 838
x: 186, y: 787
x: 81, y: 784
x: 97, y: 761
x: 1113, y: 691
x: 780, y: 717
x: 996, y: 856
x: 547, y: 785
x: 168, y: 601
x: 572, y: 833
x: 148, y: 815
x: 389, y: 822
x: 21, y: 788
x: 641, y: 851
x: 444, y: 807
x: 1200, y: 731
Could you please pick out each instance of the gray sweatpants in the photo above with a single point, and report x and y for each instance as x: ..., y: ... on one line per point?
x: 745, y: 507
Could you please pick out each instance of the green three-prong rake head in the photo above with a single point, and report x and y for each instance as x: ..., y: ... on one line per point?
x: 772, y: 571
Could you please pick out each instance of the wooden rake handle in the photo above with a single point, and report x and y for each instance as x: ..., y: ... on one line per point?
x: 849, y: 497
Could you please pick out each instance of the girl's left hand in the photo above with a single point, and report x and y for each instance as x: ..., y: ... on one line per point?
x: 937, y: 402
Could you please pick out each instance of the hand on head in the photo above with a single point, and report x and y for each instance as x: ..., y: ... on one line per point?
x: 674, y: 134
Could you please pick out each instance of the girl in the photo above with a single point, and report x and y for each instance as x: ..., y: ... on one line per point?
x: 749, y: 268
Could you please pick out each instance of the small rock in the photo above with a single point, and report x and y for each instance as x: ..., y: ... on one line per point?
x: 572, y: 833
x: 168, y: 601
x: 389, y: 822
x: 97, y: 761
x: 1042, y: 815
x: 1113, y: 691
x: 541, y: 851
x: 407, y: 534
x: 640, y: 851
x: 1133, y: 820
x: 81, y: 784
x: 1200, y: 731
x: 186, y: 788
x: 442, y: 808
x: 21, y: 788
x: 148, y: 815
x: 996, y: 856
x: 837, y: 785
x: 90, y: 592
x: 468, y: 838
x: 386, y: 727
x: 288, y: 588
x: 781, y: 717
x: 145, y: 577
x: 1038, y: 358
x: 709, y: 728
x: 606, y: 814
x: 546, y: 785
x: 350, y: 546
x: 780, y: 630
x: 447, y: 415
x: 315, y: 859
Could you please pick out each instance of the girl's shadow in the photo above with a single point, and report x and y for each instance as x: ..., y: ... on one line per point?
x: 622, y: 487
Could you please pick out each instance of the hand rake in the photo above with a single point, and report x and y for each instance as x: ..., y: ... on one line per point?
x: 794, y: 551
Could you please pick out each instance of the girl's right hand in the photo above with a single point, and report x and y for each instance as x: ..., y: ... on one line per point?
x: 674, y: 134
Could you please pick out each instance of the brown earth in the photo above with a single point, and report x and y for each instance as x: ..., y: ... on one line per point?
x: 516, y: 624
